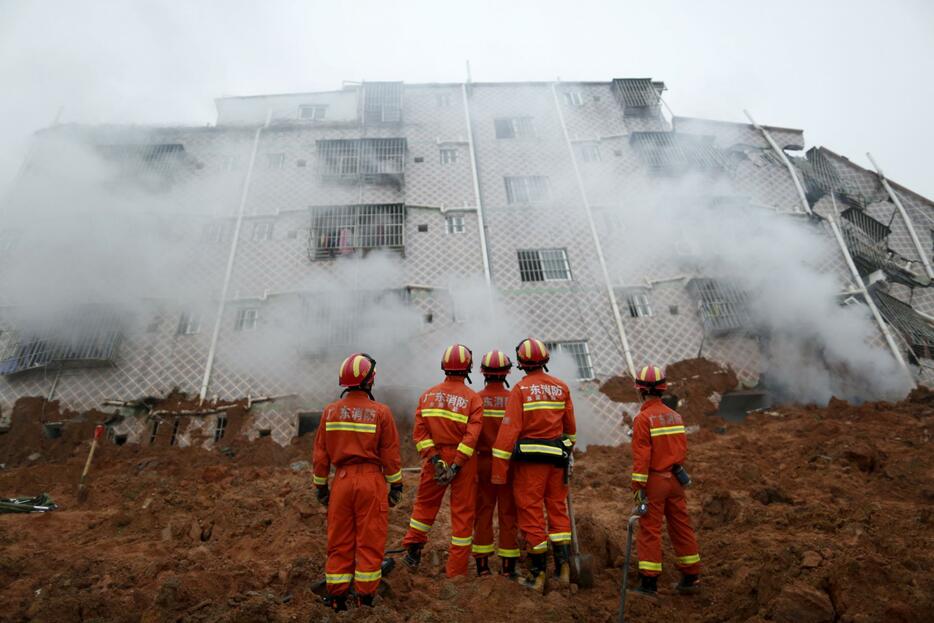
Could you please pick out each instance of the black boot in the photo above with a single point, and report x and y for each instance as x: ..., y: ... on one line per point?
x: 690, y: 583
x: 562, y: 552
x: 536, y: 579
x: 365, y: 600
x: 413, y: 556
x: 648, y: 586
x: 507, y: 567
x: 338, y: 603
x: 483, y: 566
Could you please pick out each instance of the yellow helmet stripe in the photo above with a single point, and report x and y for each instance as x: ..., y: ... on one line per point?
x: 502, y: 360
x: 486, y: 360
x: 356, y: 365
x: 461, y: 356
x: 528, y: 348
x: 447, y: 354
x: 541, y: 347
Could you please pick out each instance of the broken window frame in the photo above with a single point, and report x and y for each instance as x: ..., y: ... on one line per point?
x: 873, y: 228
x: 220, y: 427
x: 544, y: 265
x: 247, y: 319
x: 527, y: 189
x: 916, y: 331
x: 579, y: 351
x: 338, y: 231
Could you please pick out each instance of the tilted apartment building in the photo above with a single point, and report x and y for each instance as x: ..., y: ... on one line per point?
x: 521, y: 188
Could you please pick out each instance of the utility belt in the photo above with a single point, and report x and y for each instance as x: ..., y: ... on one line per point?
x: 552, y: 451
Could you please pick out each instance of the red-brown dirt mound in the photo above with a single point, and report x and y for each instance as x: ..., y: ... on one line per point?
x: 803, y: 514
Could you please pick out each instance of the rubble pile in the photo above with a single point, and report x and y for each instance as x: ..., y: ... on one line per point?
x: 804, y: 514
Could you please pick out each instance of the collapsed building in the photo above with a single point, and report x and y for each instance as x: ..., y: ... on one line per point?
x: 273, y: 215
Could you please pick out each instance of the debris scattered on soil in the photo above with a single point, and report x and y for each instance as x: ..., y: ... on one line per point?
x: 804, y: 514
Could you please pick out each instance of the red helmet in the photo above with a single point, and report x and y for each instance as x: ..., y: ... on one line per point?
x: 531, y: 353
x: 457, y: 358
x: 357, y: 370
x: 651, y: 377
x: 495, y: 363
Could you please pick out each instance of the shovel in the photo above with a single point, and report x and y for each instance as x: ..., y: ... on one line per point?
x: 622, y: 591
x: 581, y: 564
x: 82, y: 489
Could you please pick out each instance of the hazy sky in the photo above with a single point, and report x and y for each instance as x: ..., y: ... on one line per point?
x: 856, y: 75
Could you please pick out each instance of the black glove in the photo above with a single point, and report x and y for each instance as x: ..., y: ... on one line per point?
x: 450, y: 474
x: 324, y: 494
x: 395, y: 494
x: 642, y: 503
x: 441, y: 469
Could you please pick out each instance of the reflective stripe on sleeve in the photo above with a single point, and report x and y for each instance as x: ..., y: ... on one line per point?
x: 666, y: 430
x: 393, y: 478
x: 424, y: 443
x: 636, y: 477
x: 693, y: 559
x: 320, y: 480
x: 535, y: 448
x: 482, y: 549
x: 355, y: 427
x: 502, y: 454
x: 416, y: 524
x: 494, y: 413
x: 462, y: 447
x: 338, y: 578
x: 461, y: 541
x: 542, y: 404
x: 444, y: 413
x: 368, y: 576
x: 650, y: 566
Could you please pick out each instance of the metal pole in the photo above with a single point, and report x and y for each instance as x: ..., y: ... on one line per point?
x: 476, y: 185
x: 868, y: 298
x: 215, y: 334
x: 898, y: 204
x: 627, y: 352
x: 781, y: 154
x: 633, y: 520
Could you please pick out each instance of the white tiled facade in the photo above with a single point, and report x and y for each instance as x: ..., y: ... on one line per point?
x: 263, y: 153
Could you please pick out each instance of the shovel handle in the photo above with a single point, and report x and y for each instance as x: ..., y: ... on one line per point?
x: 622, y: 591
x: 98, y: 432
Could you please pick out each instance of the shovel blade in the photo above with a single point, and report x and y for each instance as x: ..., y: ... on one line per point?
x: 582, y: 570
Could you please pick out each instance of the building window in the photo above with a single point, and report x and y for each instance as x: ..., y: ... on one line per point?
x: 344, y: 230
x: 514, y: 127
x: 189, y: 323
x: 873, y: 228
x: 312, y: 112
x: 723, y: 307
x: 275, y: 161
x: 573, y: 98
x: 579, y: 352
x: 175, y: 426
x: 246, y: 318
x: 229, y: 163
x: 444, y: 100
x: 523, y: 190
x: 455, y: 223
x: 448, y: 155
x: 544, y: 265
x: 214, y: 232
x: 589, y: 151
x: 220, y: 426
x: 637, y: 300
x: 382, y: 102
x: 262, y: 231
x: 351, y: 159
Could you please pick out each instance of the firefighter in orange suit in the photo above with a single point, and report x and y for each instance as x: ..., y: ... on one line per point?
x: 358, y: 436
x: 537, y: 435
x: 448, y: 420
x: 494, y: 366
x: 659, y: 447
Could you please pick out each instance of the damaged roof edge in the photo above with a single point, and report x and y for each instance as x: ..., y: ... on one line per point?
x: 894, y: 184
x: 741, y: 123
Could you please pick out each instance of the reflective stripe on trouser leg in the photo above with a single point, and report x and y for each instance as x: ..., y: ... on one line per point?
x: 486, y: 503
x: 681, y: 533
x: 649, y: 534
x: 428, y: 501
x: 556, y: 505
x: 463, y: 507
x: 506, y: 512
x: 339, y: 566
x: 371, y: 517
x: 529, y: 485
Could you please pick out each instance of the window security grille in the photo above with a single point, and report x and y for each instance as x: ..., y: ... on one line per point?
x: 637, y: 300
x: 312, y: 112
x: 455, y: 223
x: 589, y: 152
x: 525, y: 190
x: 514, y: 127
x: 262, y: 231
x: 873, y: 228
x: 246, y: 319
x: 345, y: 230
x: 382, y: 102
x: 670, y: 153
x: 87, y: 338
x: 175, y: 427
x: 189, y: 323
x: 544, y: 265
x: 367, y: 159
x: 573, y: 98
x: 220, y: 426
x: 871, y: 255
x: 448, y: 155
x: 579, y: 352
x: 723, y: 308
x: 917, y: 331
x: 639, y: 97
x: 275, y: 161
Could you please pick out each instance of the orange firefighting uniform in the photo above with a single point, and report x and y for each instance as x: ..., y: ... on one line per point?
x: 658, y: 442
x: 539, y: 407
x: 358, y: 436
x: 490, y: 496
x: 447, y: 423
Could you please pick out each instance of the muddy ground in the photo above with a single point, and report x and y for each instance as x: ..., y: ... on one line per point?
x: 803, y: 514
